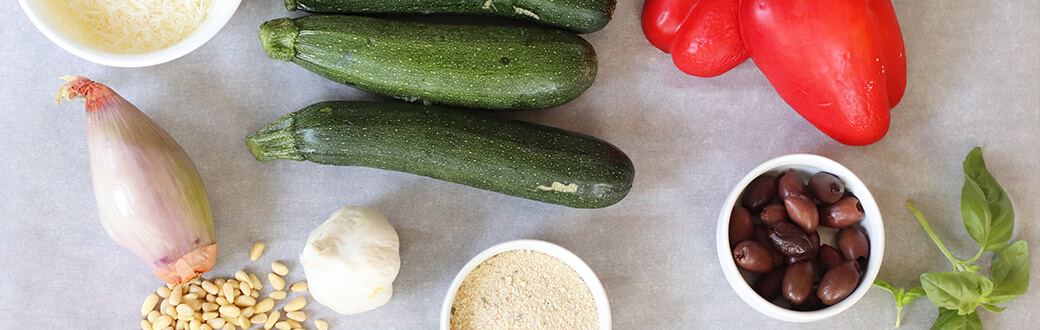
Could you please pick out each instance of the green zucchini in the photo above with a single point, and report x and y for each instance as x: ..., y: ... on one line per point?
x: 502, y: 155
x: 582, y: 16
x: 489, y: 67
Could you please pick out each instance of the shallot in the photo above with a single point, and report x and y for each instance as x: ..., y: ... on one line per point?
x: 150, y: 196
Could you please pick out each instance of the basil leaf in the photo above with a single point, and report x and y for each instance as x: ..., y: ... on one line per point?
x: 912, y: 295
x: 1010, y: 273
x: 960, y: 291
x: 972, y: 268
x: 993, y: 308
x: 881, y: 284
x: 950, y: 320
x: 985, y: 208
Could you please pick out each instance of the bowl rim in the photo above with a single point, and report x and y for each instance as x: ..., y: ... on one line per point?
x: 874, y: 229
x: 599, y: 295
x: 219, y: 15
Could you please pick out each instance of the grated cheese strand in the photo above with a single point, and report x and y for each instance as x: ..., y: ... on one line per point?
x: 130, y: 26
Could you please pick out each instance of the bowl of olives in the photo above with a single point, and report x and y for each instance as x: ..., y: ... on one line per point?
x: 800, y: 238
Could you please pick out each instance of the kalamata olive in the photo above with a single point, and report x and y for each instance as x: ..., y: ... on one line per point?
x: 798, y: 281
x: 768, y: 285
x: 829, y: 257
x: 802, y: 211
x: 759, y: 192
x: 790, y: 240
x: 753, y: 256
x: 790, y: 183
x: 762, y: 236
x: 838, y: 283
x: 814, y: 238
x: 773, y: 213
x: 843, y: 213
x: 826, y: 187
x: 854, y: 245
x: 740, y: 226
x: 812, y: 302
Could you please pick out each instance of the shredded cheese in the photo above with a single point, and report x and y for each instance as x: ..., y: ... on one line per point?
x: 130, y: 26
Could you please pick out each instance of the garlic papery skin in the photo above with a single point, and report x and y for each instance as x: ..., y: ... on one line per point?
x: 149, y: 194
x: 351, y: 260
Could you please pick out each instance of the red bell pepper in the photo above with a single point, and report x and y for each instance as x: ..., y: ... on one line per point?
x: 702, y: 35
x: 841, y: 64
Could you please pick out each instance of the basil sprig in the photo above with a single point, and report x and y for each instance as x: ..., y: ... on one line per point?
x: 989, y: 219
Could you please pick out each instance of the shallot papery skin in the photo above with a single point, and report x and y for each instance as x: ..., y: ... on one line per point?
x: 150, y: 197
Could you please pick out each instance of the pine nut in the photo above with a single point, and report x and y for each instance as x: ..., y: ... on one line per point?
x: 153, y: 315
x: 228, y: 326
x: 181, y: 325
x: 175, y: 296
x: 277, y: 295
x: 271, y: 320
x: 149, y: 304
x: 283, y: 325
x: 245, y: 288
x: 209, y: 316
x: 216, y: 323
x: 230, y: 310
x: 257, y: 285
x: 279, y: 268
x: 264, y: 306
x: 211, y: 298
x: 210, y: 287
x: 194, y: 325
x: 243, y: 321
x: 258, y: 319
x: 276, y: 281
x: 255, y: 294
x: 321, y: 325
x: 190, y: 296
x: 219, y: 282
x: 171, y: 311
x: 195, y: 304
x: 197, y: 290
x: 145, y: 325
x: 258, y: 248
x: 229, y: 291
x: 205, y: 327
x: 163, y: 292
x: 248, y: 311
x: 162, y: 322
x: 230, y: 320
x: 293, y: 324
x: 244, y: 301
x: 183, y: 311
x: 241, y: 276
x: 298, y: 287
x: 221, y: 301
x: 297, y: 315
x: 295, y: 304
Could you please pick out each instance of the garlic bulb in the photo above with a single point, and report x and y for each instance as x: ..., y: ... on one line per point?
x: 351, y: 260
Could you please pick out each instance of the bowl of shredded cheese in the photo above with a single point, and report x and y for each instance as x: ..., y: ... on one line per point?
x: 129, y: 33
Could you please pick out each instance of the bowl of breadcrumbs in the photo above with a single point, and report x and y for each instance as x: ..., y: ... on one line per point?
x: 525, y: 284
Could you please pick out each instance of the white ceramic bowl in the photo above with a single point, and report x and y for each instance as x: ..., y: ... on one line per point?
x: 219, y: 14
x: 598, y: 294
x: 740, y: 279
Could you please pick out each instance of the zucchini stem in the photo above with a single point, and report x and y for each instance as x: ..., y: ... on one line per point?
x: 275, y: 141
x: 278, y: 37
